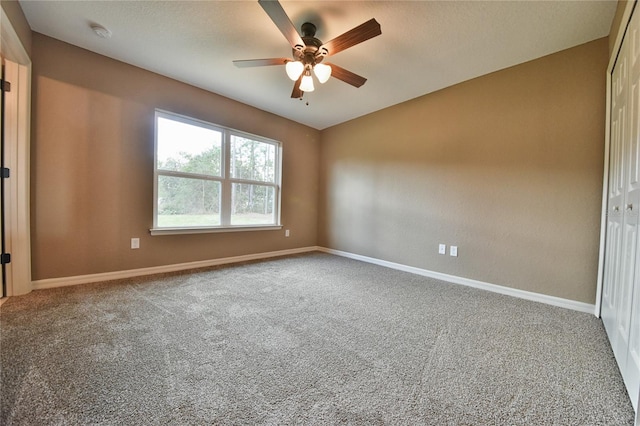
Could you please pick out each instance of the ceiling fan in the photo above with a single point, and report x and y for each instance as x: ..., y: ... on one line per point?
x: 309, y: 52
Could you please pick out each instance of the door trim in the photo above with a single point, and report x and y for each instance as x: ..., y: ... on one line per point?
x: 18, y: 154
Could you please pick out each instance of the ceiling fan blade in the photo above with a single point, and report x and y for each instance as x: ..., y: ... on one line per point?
x: 361, y: 33
x: 347, y: 76
x: 243, y: 63
x: 297, y: 93
x: 279, y: 17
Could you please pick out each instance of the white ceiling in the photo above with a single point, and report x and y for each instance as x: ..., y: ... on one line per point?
x: 425, y: 45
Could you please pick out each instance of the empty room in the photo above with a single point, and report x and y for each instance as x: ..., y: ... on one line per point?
x: 320, y: 212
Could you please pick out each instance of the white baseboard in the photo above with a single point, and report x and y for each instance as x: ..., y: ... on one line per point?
x: 117, y: 275
x: 109, y: 276
x: 522, y: 294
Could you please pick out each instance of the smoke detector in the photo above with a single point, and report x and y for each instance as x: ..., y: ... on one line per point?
x: 100, y: 31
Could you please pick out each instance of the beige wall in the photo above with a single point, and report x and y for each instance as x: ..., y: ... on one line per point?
x: 92, y: 166
x: 615, y: 24
x: 507, y: 166
x: 18, y: 22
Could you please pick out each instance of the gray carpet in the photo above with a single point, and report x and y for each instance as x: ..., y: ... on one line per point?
x: 313, y: 339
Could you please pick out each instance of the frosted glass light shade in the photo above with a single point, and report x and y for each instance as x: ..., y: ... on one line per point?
x: 323, y: 72
x: 306, y: 85
x: 294, y: 69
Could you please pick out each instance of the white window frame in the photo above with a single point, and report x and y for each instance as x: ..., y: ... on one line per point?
x: 225, y: 179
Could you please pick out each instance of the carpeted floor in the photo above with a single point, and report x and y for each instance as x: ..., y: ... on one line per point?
x: 313, y: 339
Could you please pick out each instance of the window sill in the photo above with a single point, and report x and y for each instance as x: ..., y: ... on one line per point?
x: 203, y: 230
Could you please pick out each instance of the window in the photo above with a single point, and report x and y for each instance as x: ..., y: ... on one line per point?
x: 210, y: 178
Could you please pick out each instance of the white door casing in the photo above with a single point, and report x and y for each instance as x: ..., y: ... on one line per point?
x: 17, y: 150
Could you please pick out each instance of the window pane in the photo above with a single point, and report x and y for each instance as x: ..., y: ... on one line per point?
x: 252, y: 160
x: 252, y: 204
x: 188, y: 148
x: 188, y: 202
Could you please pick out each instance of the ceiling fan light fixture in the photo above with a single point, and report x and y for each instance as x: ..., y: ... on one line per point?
x: 294, y: 69
x: 323, y: 72
x: 306, y: 85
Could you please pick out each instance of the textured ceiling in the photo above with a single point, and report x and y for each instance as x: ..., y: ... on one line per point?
x: 425, y: 45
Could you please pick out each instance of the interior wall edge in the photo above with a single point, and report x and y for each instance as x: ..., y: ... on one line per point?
x: 619, y: 24
x: 19, y: 23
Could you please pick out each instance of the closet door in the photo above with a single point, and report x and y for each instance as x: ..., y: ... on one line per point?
x: 617, y: 172
x: 621, y: 286
x: 632, y: 216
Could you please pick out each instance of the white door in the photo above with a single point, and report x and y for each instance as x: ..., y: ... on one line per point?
x: 610, y: 290
x: 631, y: 283
x: 621, y: 285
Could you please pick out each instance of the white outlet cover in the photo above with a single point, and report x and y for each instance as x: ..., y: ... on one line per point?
x: 453, y: 251
x: 442, y: 249
x: 135, y: 243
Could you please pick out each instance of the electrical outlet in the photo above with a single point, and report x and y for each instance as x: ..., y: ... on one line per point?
x: 135, y: 243
x: 453, y: 251
x: 286, y: 232
x: 442, y: 249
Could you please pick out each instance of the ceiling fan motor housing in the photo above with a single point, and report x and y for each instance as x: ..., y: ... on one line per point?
x: 311, y: 53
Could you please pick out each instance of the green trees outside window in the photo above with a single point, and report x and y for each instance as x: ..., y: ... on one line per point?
x: 210, y: 176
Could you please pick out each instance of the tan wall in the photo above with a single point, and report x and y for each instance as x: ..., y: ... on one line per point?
x: 18, y: 22
x: 92, y: 166
x: 615, y: 24
x: 507, y: 166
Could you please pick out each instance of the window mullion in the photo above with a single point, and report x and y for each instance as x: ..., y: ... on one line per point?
x: 187, y: 175
x: 253, y: 182
x: 225, y: 211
